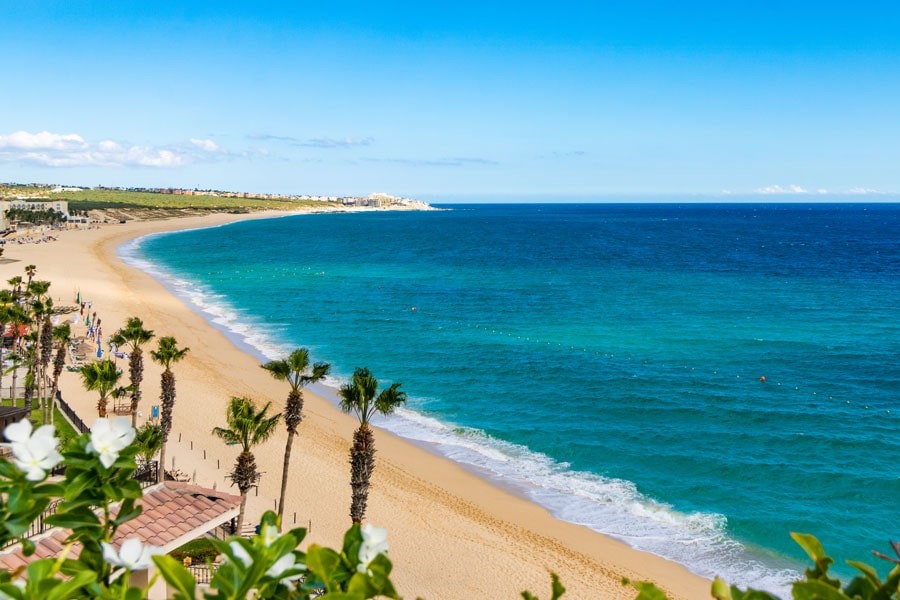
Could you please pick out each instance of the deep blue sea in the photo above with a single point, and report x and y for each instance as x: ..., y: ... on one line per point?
x: 604, y: 360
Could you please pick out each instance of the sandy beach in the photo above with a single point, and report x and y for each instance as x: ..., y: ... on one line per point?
x: 451, y: 533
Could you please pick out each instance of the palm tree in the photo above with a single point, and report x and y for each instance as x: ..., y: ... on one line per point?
x: 16, y: 284
x: 248, y: 427
x: 293, y: 370
x: 15, y: 361
x: 61, y: 334
x: 148, y: 440
x: 18, y: 319
x: 167, y: 354
x: 134, y: 335
x: 41, y: 309
x: 358, y: 397
x: 30, y: 270
x: 5, y: 320
x: 101, y: 377
x: 30, y: 381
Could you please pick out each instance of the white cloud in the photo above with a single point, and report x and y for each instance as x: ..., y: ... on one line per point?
x: 208, y: 145
x: 71, y: 150
x: 861, y: 191
x: 44, y: 140
x: 777, y: 189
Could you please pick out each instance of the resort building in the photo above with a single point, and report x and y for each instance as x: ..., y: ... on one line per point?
x: 60, y: 206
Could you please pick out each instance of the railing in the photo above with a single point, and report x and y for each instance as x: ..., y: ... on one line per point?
x: 38, y: 526
x: 202, y: 573
x: 71, y: 415
x: 147, y: 474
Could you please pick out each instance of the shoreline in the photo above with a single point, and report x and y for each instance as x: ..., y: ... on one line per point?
x: 437, y: 512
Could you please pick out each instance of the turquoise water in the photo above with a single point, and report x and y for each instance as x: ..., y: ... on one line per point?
x: 605, y: 360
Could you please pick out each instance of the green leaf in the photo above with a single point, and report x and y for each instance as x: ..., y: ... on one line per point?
x: 325, y: 563
x: 79, y: 484
x: 69, y: 587
x: 557, y: 587
x: 342, y: 596
x: 720, y: 589
x: 74, y: 518
x: 648, y: 591
x: 810, y: 545
x: 817, y: 590
x: 866, y: 570
x: 176, y: 575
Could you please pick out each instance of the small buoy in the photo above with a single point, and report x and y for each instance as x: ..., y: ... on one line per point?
x: 762, y: 378
x: 414, y: 309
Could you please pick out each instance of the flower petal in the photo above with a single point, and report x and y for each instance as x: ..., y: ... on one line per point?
x: 20, y: 431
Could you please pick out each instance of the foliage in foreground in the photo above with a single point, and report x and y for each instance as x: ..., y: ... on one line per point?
x: 98, y: 495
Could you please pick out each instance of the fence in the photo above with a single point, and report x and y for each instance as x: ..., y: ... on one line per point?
x: 70, y: 414
x: 202, y: 573
x: 38, y: 526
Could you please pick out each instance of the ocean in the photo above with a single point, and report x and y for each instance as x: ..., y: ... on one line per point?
x: 697, y: 380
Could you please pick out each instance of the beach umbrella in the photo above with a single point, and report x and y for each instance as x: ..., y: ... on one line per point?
x: 78, y: 296
x: 99, y: 351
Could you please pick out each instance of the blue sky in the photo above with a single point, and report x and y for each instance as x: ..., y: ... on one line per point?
x: 461, y: 100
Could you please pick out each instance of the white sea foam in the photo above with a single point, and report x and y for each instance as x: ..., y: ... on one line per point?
x: 613, y: 507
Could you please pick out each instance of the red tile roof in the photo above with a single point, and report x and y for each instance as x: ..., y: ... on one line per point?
x: 170, y: 512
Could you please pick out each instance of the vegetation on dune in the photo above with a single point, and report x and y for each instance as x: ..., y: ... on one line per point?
x: 101, y: 198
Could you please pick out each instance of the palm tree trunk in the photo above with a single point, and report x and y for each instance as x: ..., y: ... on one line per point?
x: 101, y: 407
x: 362, y: 463
x: 136, y: 370
x: 28, y: 394
x: 284, y: 472
x: 240, y: 521
x: 58, y: 365
x: 167, y: 399
x: 244, y: 476
x: 161, y: 470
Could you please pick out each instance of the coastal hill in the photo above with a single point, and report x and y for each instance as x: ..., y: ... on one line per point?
x: 117, y: 203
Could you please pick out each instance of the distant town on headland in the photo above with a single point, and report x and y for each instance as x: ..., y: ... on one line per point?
x: 39, y: 191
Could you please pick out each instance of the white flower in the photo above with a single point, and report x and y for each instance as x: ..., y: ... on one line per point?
x: 288, y: 562
x: 108, y: 438
x: 34, y: 454
x: 133, y: 555
x: 374, y: 543
x: 241, y: 553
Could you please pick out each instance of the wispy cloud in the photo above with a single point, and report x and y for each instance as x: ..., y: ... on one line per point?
x: 859, y: 191
x: 777, y: 189
x: 319, y: 142
x: 271, y: 137
x: 327, y: 142
x: 565, y: 154
x: 438, y: 162
x: 72, y: 150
